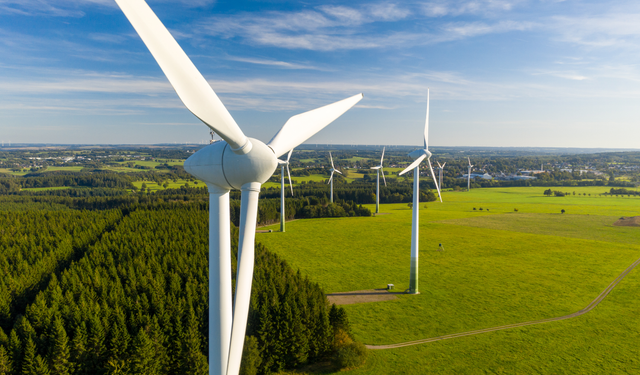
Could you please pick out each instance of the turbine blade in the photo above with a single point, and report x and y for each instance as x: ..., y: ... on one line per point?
x: 246, y: 259
x: 332, y: 166
x: 330, y: 178
x: 383, y: 179
x: 194, y: 91
x: 338, y: 171
x: 289, y: 174
x: 289, y: 156
x: 445, y: 163
x: 469, y: 162
x: 435, y: 182
x: 382, y: 156
x: 301, y: 127
x: 426, y: 125
x: 413, y: 165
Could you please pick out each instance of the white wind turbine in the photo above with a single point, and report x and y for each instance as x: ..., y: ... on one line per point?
x: 237, y: 163
x: 333, y: 169
x: 379, y: 171
x: 284, y: 164
x: 440, y: 169
x: 469, y: 175
x: 419, y: 155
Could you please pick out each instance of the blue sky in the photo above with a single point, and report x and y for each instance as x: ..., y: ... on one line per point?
x: 501, y: 72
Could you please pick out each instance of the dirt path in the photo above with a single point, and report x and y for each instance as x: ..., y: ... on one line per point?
x: 590, y: 307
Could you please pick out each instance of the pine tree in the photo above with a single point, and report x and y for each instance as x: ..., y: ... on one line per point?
x: 193, y: 361
x: 15, y: 350
x: 250, y: 357
x: 5, y: 362
x: 79, y: 348
x: 142, y: 357
x: 29, y: 361
x: 60, y: 356
x: 41, y: 367
x: 4, y: 340
x: 120, y: 338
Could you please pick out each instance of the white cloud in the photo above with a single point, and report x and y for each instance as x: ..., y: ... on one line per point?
x: 466, y: 7
x: 279, y: 64
x: 607, y: 30
x: 57, y: 8
x: 332, y: 28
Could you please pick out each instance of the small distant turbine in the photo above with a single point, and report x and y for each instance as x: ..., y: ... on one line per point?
x: 419, y: 155
x: 440, y: 169
x: 379, y: 171
x: 333, y: 169
x: 284, y: 164
x: 469, y: 175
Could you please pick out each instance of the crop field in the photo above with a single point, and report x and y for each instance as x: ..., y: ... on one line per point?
x: 498, y: 267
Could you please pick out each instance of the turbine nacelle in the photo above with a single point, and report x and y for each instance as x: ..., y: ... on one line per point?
x: 418, y: 153
x: 219, y: 165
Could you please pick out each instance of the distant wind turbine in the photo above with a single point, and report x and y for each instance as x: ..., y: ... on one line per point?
x: 284, y: 164
x: 469, y: 175
x: 379, y: 171
x: 419, y: 155
x: 333, y: 169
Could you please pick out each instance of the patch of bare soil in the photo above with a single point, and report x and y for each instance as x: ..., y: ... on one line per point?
x: 633, y: 221
x: 361, y: 296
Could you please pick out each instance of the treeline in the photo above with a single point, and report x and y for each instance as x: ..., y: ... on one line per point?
x: 622, y: 191
x: 90, y: 179
x: 359, y: 192
x: 136, y: 303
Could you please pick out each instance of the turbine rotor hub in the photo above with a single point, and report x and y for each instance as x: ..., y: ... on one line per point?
x: 217, y: 164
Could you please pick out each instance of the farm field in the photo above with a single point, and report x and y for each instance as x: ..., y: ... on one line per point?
x: 499, y: 267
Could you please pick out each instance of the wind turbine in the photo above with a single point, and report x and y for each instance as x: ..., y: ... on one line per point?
x: 238, y: 162
x: 440, y: 169
x: 333, y: 169
x: 379, y: 170
x: 469, y: 175
x: 284, y: 164
x: 419, y: 155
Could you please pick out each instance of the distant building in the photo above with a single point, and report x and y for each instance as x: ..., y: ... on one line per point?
x: 484, y: 176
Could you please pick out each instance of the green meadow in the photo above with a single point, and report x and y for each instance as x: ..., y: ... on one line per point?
x: 171, y: 184
x: 498, y: 267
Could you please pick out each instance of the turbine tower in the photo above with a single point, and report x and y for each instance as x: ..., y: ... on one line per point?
x: 284, y: 164
x: 333, y: 169
x: 379, y: 171
x: 419, y: 155
x: 440, y: 169
x: 238, y: 162
x: 469, y: 175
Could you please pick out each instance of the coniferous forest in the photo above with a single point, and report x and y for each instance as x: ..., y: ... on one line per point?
x: 125, y: 291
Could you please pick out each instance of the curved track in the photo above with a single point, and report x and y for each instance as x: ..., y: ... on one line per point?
x: 589, y: 307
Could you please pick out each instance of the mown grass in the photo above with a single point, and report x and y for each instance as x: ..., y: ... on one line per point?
x: 498, y: 267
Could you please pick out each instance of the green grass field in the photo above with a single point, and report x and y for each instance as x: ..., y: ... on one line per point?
x: 48, y: 188
x: 499, y: 267
x: 172, y: 185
